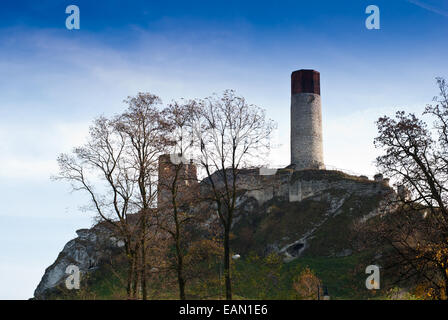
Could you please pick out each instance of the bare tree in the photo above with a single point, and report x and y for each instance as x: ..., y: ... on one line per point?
x: 99, y: 169
x: 178, y: 186
x: 234, y: 134
x: 144, y: 128
x: 416, y: 223
x: 117, y: 169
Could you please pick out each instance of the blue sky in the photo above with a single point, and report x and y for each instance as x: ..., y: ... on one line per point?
x: 54, y: 81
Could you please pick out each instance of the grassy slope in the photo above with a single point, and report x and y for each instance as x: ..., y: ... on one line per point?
x: 343, y: 277
x: 253, y: 278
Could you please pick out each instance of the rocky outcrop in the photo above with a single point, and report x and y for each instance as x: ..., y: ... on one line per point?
x: 294, y: 186
x: 295, y: 213
x: 85, y: 251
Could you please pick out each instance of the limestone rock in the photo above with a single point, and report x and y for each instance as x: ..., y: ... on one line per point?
x: 85, y: 252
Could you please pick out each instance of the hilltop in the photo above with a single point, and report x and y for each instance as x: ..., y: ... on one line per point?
x: 284, y: 222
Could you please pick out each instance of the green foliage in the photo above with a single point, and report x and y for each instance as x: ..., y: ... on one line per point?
x: 397, y: 293
x: 254, y: 277
x: 259, y: 278
x: 270, y: 278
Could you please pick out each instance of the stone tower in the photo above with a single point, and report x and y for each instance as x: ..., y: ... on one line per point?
x: 306, y: 120
x: 187, y: 181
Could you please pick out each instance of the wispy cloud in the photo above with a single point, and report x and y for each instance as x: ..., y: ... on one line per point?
x: 29, y: 152
x: 429, y: 7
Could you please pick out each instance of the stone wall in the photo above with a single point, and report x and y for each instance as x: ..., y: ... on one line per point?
x: 294, y: 186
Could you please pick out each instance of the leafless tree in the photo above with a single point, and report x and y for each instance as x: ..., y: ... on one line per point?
x: 116, y: 168
x: 98, y: 168
x: 144, y: 128
x: 178, y: 186
x: 234, y: 134
x: 416, y: 223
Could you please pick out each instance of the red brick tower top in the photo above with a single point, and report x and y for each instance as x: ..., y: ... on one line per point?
x: 305, y: 81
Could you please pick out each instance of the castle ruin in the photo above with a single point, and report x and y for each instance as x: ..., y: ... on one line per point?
x: 306, y: 175
x: 185, y: 174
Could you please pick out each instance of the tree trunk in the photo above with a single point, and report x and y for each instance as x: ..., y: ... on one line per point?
x: 227, y: 264
x: 180, y: 275
x: 143, y: 270
x: 179, y: 253
x: 131, y: 270
x: 130, y: 277
x: 135, y: 277
x: 181, y: 280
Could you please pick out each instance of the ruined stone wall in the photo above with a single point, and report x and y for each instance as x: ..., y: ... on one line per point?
x: 187, y: 183
x: 294, y: 186
x: 302, y: 189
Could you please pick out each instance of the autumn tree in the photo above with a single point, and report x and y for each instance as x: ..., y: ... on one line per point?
x: 145, y: 131
x: 307, y: 285
x: 178, y: 187
x: 233, y: 135
x: 116, y: 168
x: 415, y: 221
